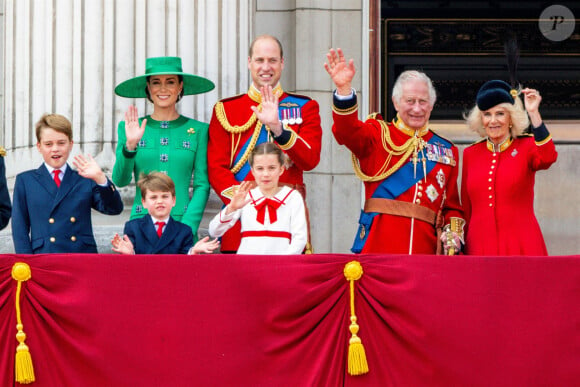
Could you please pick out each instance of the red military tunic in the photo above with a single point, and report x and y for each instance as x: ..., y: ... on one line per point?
x: 233, y: 124
x: 367, y: 141
x: 497, y: 192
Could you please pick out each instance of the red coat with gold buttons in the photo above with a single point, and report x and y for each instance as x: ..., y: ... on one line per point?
x: 497, y: 192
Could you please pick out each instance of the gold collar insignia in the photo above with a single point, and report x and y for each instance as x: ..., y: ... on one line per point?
x: 256, y: 96
x: 500, y: 147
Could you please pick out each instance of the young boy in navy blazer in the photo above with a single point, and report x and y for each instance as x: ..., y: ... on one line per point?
x: 52, y: 204
x: 158, y: 232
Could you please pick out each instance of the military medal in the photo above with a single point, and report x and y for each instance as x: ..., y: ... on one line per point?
x: 284, y: 117
x: 441, y: 178
x: 299, y: 116
x: 432, y: 193
x: 292, y: 119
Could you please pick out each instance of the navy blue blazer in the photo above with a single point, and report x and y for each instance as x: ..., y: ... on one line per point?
x: 176, y: 239
x: 5, y: 207
x: 47, y: 219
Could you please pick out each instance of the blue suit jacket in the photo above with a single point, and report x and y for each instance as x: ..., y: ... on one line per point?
x: 176, y: 239
x: 5, y: 207
x: 47, y: 219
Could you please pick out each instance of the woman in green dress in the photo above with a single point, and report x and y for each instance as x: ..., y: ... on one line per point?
x: 164, y: 141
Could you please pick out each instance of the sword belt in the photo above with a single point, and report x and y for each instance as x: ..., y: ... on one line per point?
x: 399, y: 208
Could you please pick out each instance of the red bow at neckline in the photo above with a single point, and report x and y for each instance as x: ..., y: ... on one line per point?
x: 272, y: 205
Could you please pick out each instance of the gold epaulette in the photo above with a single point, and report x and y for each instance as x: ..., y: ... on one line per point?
x: 223, y: 120
x: 2, y: 151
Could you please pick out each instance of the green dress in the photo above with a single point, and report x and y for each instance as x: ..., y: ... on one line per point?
x: 177, y: 148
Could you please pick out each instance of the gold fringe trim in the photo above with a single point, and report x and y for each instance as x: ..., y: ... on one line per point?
x: 357, y: 359
x: 23, y: 365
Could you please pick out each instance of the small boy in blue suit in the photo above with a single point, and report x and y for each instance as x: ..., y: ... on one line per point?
x: 158, y: 232
x: 52, y: 204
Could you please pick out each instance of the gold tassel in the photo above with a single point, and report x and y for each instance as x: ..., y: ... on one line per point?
x: 357, y: 359
x: 23, y: 364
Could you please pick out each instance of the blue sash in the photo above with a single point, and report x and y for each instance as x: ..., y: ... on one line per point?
x: 243, y: 172
x: 391, y: 188
x: 289, y: 107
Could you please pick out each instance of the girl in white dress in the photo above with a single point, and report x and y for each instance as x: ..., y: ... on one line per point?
x: 273, y: 218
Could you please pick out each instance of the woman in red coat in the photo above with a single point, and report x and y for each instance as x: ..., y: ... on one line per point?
x: 497, y: 187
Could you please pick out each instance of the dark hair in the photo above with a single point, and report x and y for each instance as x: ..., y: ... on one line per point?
x: 267, y: 148
x: 179, y: 77
x: 251, y: 50
x: 55, y: 122
x: 155, y: 181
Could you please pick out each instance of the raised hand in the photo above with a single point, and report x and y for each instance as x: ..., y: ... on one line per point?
x: 268, y: 115
x: 239, y: 199
x: 205, y: 246
x: 88, y: 167
x: 122, y: 245
x: 532, y: 99
x: 340, y: 71
x: 133, y: 131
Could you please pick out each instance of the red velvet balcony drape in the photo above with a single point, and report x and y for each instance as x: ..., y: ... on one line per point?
x: 223, y: 320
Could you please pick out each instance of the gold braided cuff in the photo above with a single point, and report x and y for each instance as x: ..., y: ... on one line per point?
x: 344, y: 112
x: 291, y: 141
x: 547, y: 139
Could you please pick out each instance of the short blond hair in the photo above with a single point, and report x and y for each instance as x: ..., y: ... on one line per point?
x: 55, y: 122
x: 155, y: 181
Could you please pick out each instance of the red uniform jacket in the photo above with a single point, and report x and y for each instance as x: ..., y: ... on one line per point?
x: 497, y: 191
x: 438, y: 191
x: 233, y: 124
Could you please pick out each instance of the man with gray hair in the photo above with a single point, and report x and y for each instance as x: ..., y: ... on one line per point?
x: 409, y: 172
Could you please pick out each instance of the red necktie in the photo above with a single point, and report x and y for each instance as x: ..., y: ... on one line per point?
x: 160, y: 228
x: 56, y: 178
x: 272, y: 205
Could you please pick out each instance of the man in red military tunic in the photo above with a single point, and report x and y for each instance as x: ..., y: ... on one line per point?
x: 265, y: 113
x: 410, y: 173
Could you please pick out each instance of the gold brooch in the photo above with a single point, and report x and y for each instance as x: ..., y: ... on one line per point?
x: 191, y: 131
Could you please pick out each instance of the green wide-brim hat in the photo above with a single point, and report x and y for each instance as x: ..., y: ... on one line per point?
x: 164, y: 65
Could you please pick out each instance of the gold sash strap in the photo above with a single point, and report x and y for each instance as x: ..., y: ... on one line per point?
x: 399, y: 208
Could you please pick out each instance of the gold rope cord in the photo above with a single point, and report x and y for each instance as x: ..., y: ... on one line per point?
x: 236, y: 168
x: 24, y: 368
x: 223, y: 120
x: 392, y: 149
x: 357, y: 359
